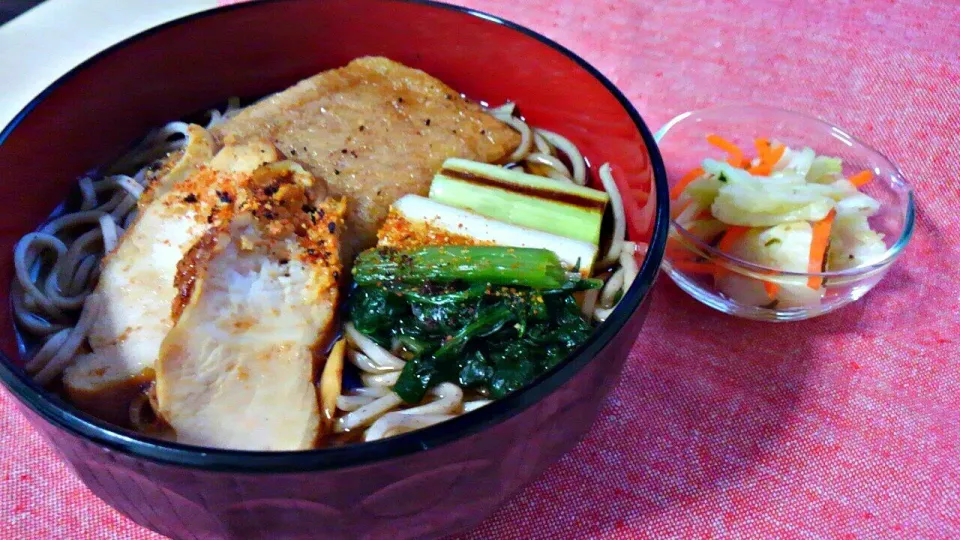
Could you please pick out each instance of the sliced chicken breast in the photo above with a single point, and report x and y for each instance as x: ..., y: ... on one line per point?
x: 260, y: 294
x: 136, y: 286
x: 374, y: 130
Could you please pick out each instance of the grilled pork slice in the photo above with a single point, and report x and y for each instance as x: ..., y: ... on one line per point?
x: 374, y: 130
x: 259, y: 298
x: 136, y: 285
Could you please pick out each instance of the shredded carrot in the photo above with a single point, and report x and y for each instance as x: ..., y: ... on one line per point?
x: 760, y: 170
x: 706, y: 213
x: 774, y: 155
x: 771, y: 289
x: 675, y: 211
x: 818, y: 248
x: 763, y: 146
x: 767, y: 161
x: 729, y: 238
x: 734, y: 233
x: 676, y: 250
x: 736, y: 155
x: 684, y: 182
x: 861, y: 179
x: 674, y: 254
x: 693, y: 267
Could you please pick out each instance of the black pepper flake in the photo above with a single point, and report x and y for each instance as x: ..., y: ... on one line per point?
x: 332, y: 227
x: 362, y: 127
x: 271, y: 189
x: 453, y: 131
x: 224, y: 197
x: 483, y: 132
x: 191, y: 198
x: 352, y: 153
x: 311, y: 251
x: 336, y: 275
x: 293, y: 151
x: 336, y: 171
x: 449, y: 96
x: 284, y: 261
x: 210, y: 218
x: 427, y: 122
x: 344, y: 151
x: 269, y: 214
x: 399, y: 100
x: 309, y: 208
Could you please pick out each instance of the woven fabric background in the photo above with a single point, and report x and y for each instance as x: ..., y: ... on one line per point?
x: 845, y: 426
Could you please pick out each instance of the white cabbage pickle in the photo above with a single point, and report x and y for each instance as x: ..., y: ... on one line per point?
x: 853, y: 243
x: 757, y: 205
x: 797, y: 162
x: 789, y: 213
x: 825, y: 170
x: 785, y: 247
x: 858, y: 204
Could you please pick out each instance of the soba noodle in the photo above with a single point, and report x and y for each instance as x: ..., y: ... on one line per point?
x: 57, y: 270
x: 57, y: 267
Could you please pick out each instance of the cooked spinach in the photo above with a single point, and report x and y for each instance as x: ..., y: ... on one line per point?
x: 492, y: 339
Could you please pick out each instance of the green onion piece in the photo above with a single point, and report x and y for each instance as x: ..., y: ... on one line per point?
x: 512, y: 196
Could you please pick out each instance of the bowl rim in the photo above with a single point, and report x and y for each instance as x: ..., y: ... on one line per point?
x: 67, y: 417
x: 714, y: 254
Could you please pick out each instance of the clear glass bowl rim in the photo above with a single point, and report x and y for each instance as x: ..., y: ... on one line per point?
x: 715, y: 254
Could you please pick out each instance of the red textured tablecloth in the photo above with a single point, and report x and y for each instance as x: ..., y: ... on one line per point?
x: 845, y: 426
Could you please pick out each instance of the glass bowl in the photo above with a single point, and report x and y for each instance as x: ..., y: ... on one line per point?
x: 683, y: 144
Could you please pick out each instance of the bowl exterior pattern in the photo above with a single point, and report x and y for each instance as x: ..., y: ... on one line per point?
x: 443, y: 479
x: 427, y: 494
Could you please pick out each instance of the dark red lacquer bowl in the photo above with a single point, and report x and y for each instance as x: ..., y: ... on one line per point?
x: 436, y: 481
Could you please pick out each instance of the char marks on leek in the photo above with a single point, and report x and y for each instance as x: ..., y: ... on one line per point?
x: 527, y: 200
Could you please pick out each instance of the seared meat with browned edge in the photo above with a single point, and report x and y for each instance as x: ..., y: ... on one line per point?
x: 136, y: 284
x: 237, y: 369
x: 374, y: 130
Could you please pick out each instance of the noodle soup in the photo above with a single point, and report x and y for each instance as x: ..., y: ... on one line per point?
x: 193, y: 293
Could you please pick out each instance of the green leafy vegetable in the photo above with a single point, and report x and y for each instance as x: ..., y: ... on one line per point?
x: 488, y: 338
x: 375, y: 311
